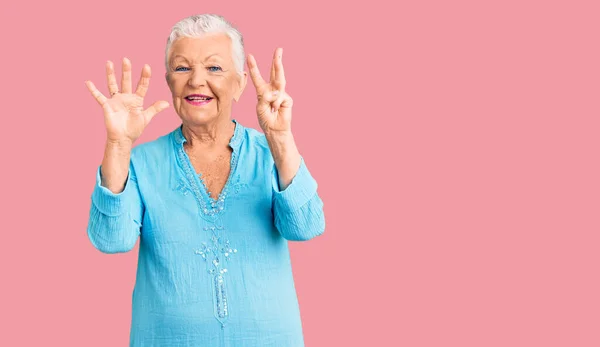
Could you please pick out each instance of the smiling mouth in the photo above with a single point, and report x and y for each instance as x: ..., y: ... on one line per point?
x: 198, y: 100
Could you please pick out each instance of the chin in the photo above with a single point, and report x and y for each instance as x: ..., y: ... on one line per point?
x: 200, y: 117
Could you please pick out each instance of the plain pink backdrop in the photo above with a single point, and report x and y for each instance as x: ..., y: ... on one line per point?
x: 455, y: 143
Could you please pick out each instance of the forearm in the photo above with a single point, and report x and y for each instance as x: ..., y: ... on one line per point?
x: 115, y: 165
x: 286, y: 156
x: 116, y: 216
x: 113, y: 234
x: 302, y: 224
x: 298, y: 210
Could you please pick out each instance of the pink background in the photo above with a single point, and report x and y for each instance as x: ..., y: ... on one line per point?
x: 455, y: 143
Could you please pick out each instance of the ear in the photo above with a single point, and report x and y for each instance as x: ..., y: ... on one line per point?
x: 242, y: 80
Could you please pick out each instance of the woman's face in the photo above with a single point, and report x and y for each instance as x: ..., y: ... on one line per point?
x: 202, y: 78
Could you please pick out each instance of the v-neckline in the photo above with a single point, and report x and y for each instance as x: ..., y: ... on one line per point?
x: 208, y: 205
x: 201, y: 176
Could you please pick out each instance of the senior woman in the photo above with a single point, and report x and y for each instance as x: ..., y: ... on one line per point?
x: 212, y: 202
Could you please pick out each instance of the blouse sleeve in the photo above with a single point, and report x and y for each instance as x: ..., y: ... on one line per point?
x: 298, y: 209
x: 115, y: 219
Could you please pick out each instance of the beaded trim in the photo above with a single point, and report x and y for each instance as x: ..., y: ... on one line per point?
x: 208, y: 206
x: 216, y: 255
x: 218, y: 251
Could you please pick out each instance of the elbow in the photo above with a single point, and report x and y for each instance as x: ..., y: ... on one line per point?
x: 301, y: 232
x: 114, y: 234
x: 305, y: 236
x: 303, y: 224
x: 116, y: 249
x: 109, y: 242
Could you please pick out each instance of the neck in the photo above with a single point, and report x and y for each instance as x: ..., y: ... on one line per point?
x: 210, y: 135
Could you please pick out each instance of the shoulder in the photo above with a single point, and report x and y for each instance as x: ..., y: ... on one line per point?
x: 256, y: 138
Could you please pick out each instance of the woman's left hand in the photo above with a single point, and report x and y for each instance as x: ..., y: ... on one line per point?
x: 274, y: 107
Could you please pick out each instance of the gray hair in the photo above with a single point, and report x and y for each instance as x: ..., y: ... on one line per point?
x: 199, y: 25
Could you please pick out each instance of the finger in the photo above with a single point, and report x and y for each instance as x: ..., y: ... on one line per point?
x: 272, y: 76
x: 268, y: 97
x: 126, y: 79
x: 287, y: 102
x: 279, y: 75
x: 257, y: 79
x: 151, y: 111
x: 113, y: 87
x: 100, y: 98
x: 144, y: 82
x: 283, y: 100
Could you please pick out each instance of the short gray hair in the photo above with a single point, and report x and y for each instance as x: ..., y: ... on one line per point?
x: 202, y: 24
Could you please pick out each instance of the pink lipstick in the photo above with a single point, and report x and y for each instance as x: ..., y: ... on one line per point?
x: 198, y: 99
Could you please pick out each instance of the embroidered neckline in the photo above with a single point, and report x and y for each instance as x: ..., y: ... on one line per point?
x: 209, y: 206
x: 219, y: 251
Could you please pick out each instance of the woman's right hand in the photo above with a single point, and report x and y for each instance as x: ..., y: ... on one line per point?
x: 124, y: 116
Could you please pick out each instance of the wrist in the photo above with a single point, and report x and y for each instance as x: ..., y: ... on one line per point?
x: 283, y: 149
x: 279, y: 136
x: 122, y: 144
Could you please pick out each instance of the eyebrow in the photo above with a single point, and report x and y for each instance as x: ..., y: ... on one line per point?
x: 181, y: 56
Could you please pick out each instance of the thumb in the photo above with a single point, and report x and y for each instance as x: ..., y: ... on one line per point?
x: 151, y: 111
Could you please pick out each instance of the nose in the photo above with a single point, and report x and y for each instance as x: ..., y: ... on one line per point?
x: 197, y: 78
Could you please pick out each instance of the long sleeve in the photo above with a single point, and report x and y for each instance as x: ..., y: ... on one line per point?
x: 298, y: 209
x: 115, y: 219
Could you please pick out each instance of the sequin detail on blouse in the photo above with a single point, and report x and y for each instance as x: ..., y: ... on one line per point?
x: 217, y: 254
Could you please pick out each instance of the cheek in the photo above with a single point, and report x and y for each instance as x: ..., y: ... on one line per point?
x: 177, y: 86
x: 222, y: 88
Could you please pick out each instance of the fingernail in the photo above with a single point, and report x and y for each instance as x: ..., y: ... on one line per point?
x: 275, y: 92
x: 272, y: 109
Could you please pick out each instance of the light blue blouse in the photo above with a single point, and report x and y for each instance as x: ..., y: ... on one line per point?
x: 210, y: 272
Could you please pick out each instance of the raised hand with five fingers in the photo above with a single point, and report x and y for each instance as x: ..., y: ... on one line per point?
x: 274, y: 107
x: 125, y: 120
x: 124, y: 116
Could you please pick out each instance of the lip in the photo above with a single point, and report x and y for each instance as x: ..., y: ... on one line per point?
x: 198, y: 103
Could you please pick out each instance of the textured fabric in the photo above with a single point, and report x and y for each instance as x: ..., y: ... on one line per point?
x: 210, y: 272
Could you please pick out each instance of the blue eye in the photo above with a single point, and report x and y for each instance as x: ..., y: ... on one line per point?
x: 180, y: 67
x: 215, y: 67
